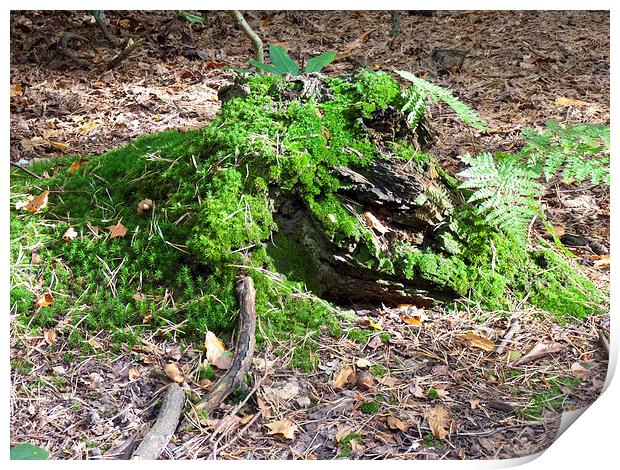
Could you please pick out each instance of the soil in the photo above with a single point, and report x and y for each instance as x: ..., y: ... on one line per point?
x: 435, y: 380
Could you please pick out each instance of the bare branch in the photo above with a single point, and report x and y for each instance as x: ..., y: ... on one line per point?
x: 249, y: 32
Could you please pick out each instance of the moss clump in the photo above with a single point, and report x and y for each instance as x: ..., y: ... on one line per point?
x: 303, y: 360
x: 370, y: 407
x: 378, y: 370
x: 214, y: 215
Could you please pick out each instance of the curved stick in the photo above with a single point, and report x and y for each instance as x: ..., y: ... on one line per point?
x: 249, y: 32
x: 244, y: 349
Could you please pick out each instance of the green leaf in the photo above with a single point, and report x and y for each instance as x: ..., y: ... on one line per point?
x: 192, y: 18
x: 266, y: 67
x: 28, y: 452
x: 282, y: 60
x: 238, y: 70
x: 97, y: 14
x: 317, y: 63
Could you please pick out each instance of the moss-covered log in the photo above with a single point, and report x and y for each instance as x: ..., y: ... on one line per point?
x: 305, y: 182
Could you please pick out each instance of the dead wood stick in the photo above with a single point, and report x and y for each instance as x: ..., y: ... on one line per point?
x: 104, y: 29
x: 131, y: 45
x: 514, y: 327
x: 63, y: 47
x: 160, y: 434
x: 244, y: 349
x: 249, y: 32
x: 604, y: 342
x: 25, y: 170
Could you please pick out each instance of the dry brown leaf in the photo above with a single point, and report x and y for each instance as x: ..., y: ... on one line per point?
x: 44, y: 300
x: 133, y: 374
x: 246, y: 419
x: 216, y: 352
x: 341, y: 377
x: 283, y: 427
x: 139, y: 297
x: 375, y: 342
x: 69, y: 235
x: 439, y: 422
x: 50, y: 336
x: 36, y: 204
x: 579, y: 371
x: 475, y: 341
x: 144, y: 206
x: 602, y: 262
x: 413, y: 321
x: 16, y: 90
x: 365, y: 380
x: 173, y: 372
x: 343, y: 432
x: 395, y: 423
x: 59, y: 145
x: 539, y: 351
x: 117, y: 231
x: 77, y: 164
x: 561, y: 101
x: 373, y: 222
x: 35, y: 259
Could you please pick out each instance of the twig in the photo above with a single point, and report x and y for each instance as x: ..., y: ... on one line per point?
x: 104, y: 29
x: 514, y: 327
x: 26, y: 171
x: 244, y: 348
x: 160, y: 434
x: 63, y: 47
x: 131, y: 45
x: 604, y: 342
x: 249, y: 32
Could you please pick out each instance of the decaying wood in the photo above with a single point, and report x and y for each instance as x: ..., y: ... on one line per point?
x: 514, y: 327
x: 104, y: 29
x: 63, y: 47
x: 246, y: 342
x: 162, y: 431
x: 131, y: 46
x: 249, y: 32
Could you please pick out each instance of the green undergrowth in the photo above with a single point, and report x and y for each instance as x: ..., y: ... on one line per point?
x: 213, y: 189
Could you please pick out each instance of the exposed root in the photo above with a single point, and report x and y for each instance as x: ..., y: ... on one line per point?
x: 63, y: 48
x: 244, y: 350
x: 131, y: 46
x: 162, y: 431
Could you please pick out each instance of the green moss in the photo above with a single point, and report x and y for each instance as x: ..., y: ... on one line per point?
x: 206, y: 371
x: 429, y: 440
x: 21, y: 366
x: 378, y: 370
x: 370, y: 407
x: 303, y: 360
x: 360, y: 336
x: 346, y: 449
x: 432, y: 394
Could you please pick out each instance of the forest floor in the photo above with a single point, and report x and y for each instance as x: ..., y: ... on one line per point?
x: 390, y: 395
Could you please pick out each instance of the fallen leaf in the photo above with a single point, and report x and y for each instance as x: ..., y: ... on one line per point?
x: 413, y: 321
x: 133, y: 374
x: 30, y: 144
x: 375, y: 342
x: 395, y: 423
x: 365, y: 380
x: 35, y: 259
x: 144, y: 206
x: 579, y: 371
x: 439, y: 422
x: 539, y: 351
x: 341, y: 377
x: 77, y: 164
x: 474, y: 403
x: 602, y: 262
x: 561, y: 101
x: 87, y: 128
x: 117, y: 231
x: 246, y: 419
x: 139, y: 297
x: 283, y: 427
x: 373, y: 222
x: 343, y: 432
x: 44, y: 300
x: 16, y: 90
x: 69, y: 235
x: 216, y: 352
x: 363, y: 363
x: 284, y: 392
x: 93, y: 229
x: 475, y: 341
x: 59, y: 145
x: 38, y: 203
x: 225, y: 424
x: 147, y: 319
x: 173, y: 372
x: 50, y: 336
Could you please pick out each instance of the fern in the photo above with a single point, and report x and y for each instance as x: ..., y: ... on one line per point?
x: 423, y: 91
x: 505, y: 192
x: 578, y: 152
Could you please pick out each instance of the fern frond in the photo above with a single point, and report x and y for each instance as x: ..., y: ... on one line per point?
x: 426, y: 90
x: 504, y: 194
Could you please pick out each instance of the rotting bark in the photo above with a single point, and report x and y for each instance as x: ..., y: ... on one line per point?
x: 244, y: 352
x: 162, y: 431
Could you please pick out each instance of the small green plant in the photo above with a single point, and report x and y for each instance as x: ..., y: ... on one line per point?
x: 346, y: 448
x: 378, y: 370
x: 429, y: 440
x: 370, y: 407
x: 432, y: 394
x: 283, y: 64
x: 28, y: 452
